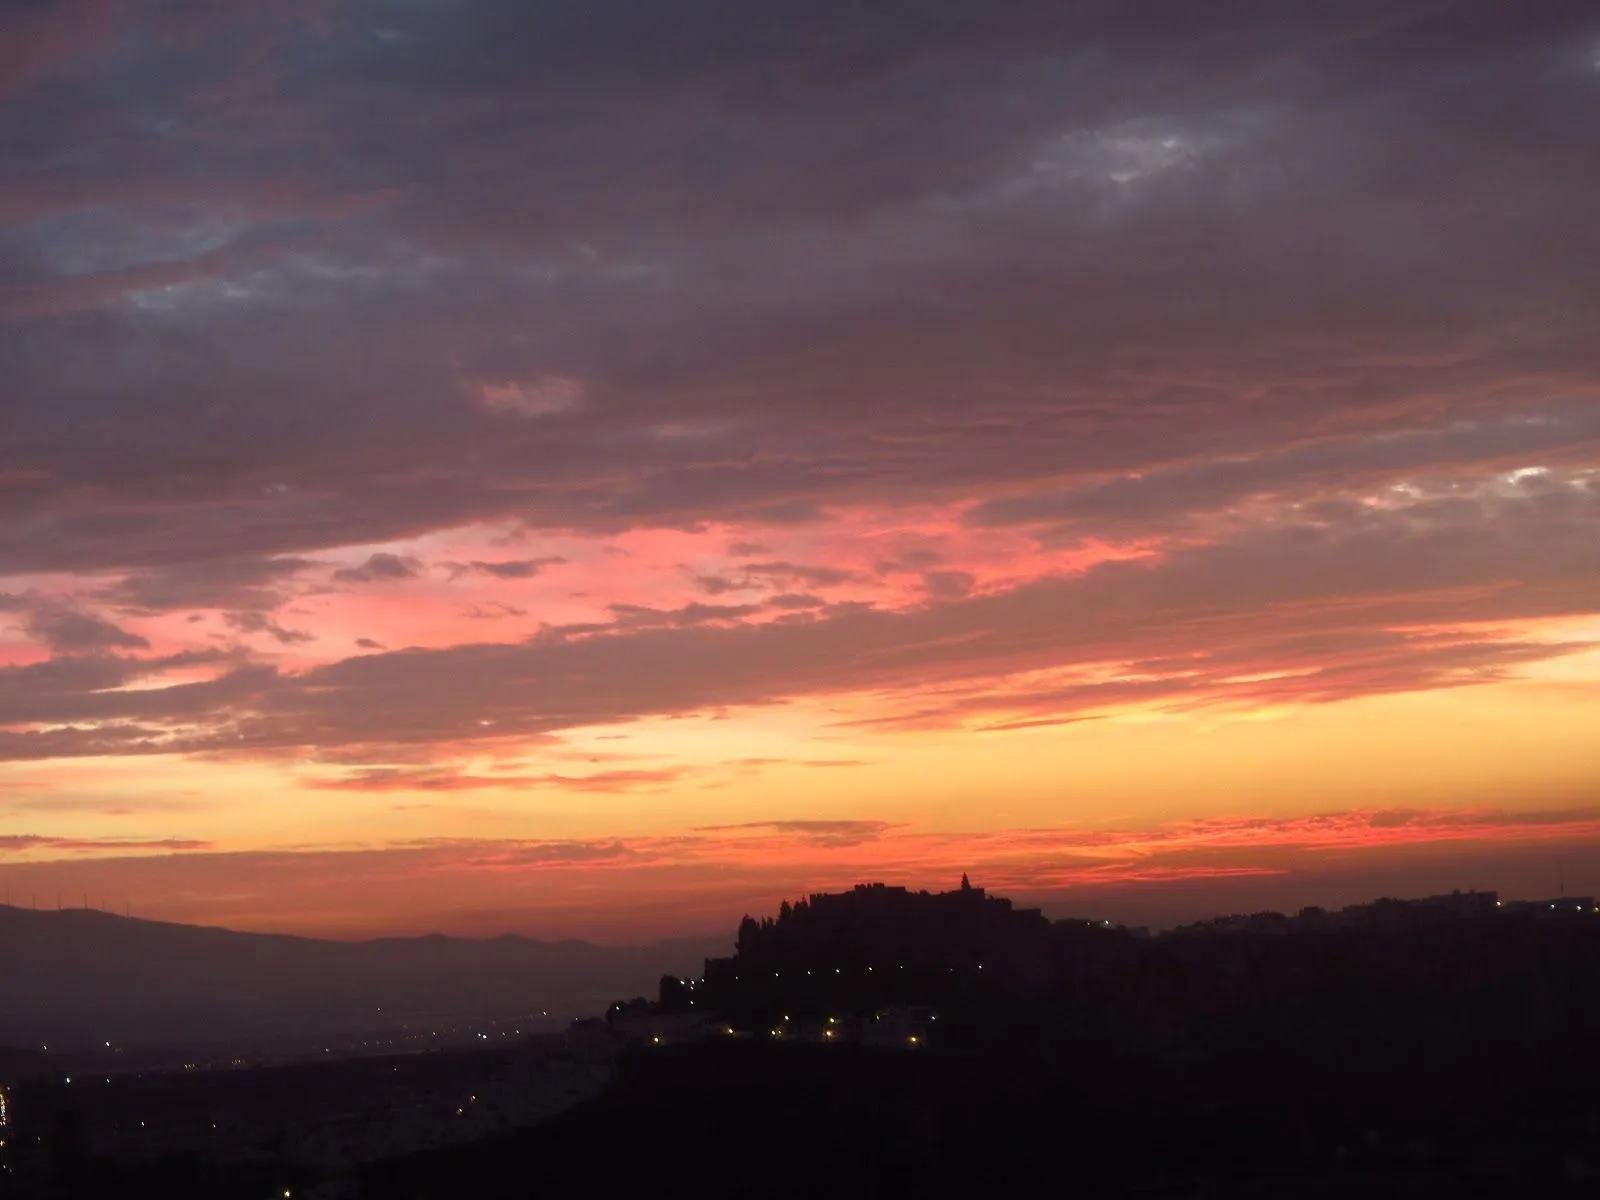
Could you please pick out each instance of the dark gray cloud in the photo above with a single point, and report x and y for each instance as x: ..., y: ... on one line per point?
x: 518, y: 568
x: 496, y: 610
x: 796, y: 601
x: 723, y: 261
x: 947, y: 585
x: 259, y: 622
x: 235, y: 583
x: 635, y: 616
x: 36, y: 38
x: 755, y: 575
x: 68, y: 632
x: 380, y: 567
x: 912, y: 559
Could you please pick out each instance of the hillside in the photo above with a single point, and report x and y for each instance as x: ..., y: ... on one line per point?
x: 82, y: 976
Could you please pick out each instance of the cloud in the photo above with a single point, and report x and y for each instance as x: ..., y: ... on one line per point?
x: 258, y: 622
x: 104, y: 805
x: 787, y: 572
x: 15, y: 843
x: 546, y: 396
x: 1385, y: 600
x: 1337, y: 464
x: 380, y: 567
x: 518, y: 568
x: 435, y: 320
x: 770, y: 574
x: 438, y: 780
x: 796, y: 601
x: 69, y: 632
x: 495, y: 610
x: 232, y: 583
x: 38, y: 39
x: 913, y: 559
x: 815, y: 832
x: 948, y: 585
x: 542, y: 854
x: 636, y: 616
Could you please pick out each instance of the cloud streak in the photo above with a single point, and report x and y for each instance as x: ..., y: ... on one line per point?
x: 721, y: 871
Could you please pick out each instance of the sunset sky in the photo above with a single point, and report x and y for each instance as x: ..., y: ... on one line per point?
x: 597, y: 468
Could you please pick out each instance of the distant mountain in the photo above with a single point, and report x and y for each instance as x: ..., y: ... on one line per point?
x: 79, y: 975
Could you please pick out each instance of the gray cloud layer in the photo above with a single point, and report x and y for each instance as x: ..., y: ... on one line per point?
x: 723, y: 259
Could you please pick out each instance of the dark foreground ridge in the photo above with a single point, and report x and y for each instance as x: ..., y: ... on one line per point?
x: 884, y: 1043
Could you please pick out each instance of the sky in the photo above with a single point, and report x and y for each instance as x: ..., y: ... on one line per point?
x: 598, y: 469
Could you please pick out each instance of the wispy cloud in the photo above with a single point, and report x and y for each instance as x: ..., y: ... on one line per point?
x: 714, y: 873
x: 380, y: 567
x: 28, y: 841
x: 818, y: 833
x: 525, y: 568
x: 391, y: 779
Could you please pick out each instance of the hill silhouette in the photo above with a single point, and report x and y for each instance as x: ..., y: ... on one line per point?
x: 1443, y: 1045
x: 81, y: 977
